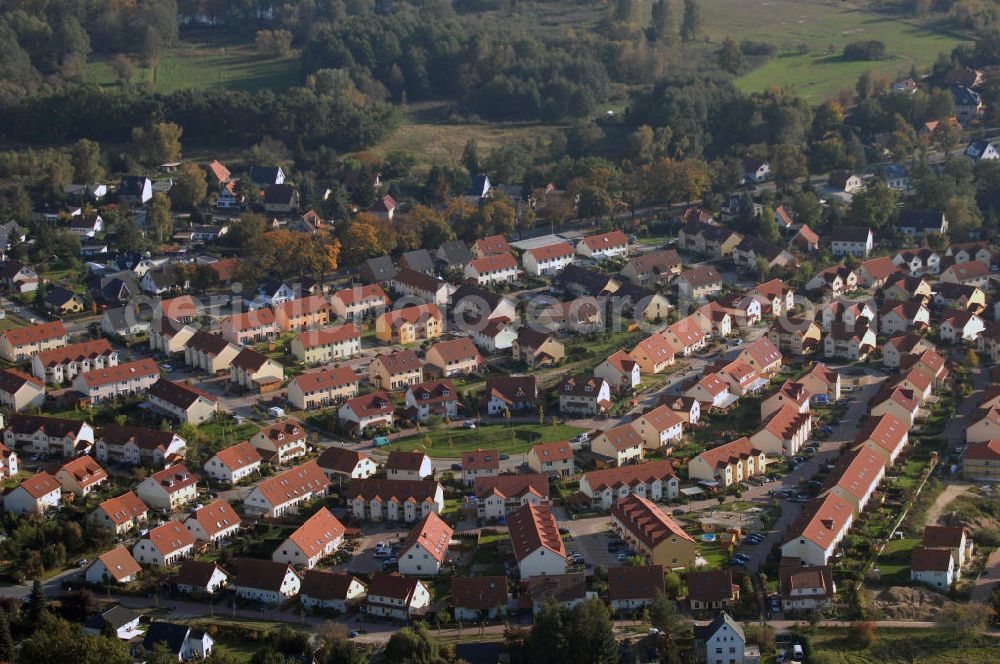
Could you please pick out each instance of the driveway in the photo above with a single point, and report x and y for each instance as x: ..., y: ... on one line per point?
x: 589, y: 537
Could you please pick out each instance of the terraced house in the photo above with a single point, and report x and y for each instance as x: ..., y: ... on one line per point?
x: 281, y: 441
x: 651, y: 533
x: 18, y: 390
x: 327, y: 345
x: 138, y: 446
x: 250, y: 328
x: 548, y: 259
x: 377, y: 499
x: 169, y: 488
x: 396, y: 370
x: 21, y: 343
x: 48, y: 435
x: 410, y: 324
x: 492, y: 270
x: 455, y: 357
x: 210, y: 352
x: 302, y: 313
x: 121, y: 381
x: 655, y: 480
x: 318, y: 389
x: 62, y: 364
x: 285, y: 492
x: 499, y: 495
x: 359, y: 302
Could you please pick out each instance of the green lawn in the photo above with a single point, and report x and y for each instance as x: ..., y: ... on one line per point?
x: 713, y: 553
x: 905, y: 646
x: 206, y: 62
x: 824, y: 28
x: 509, y: 439
x: 894, y: 563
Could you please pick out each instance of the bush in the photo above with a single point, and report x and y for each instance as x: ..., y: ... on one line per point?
x: 758, y: 48
x: 865, y: 50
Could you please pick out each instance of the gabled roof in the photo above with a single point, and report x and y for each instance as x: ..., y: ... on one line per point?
x: 728, y: 453
x: 558, y: 451
x: 123, y: 508
x: 293, y: 483
x: 433, y: 536
x: 304, y: 306
x: 418, y: 280
x: 635, y: 582
x: 413, y: 315
x: 170, y: 537
x: 123, y: 372
x: 605, y: 240
x: 923, y: 559
x: 493, y: 263
x: 403, y: 461
x: 647, y: 521
x: 662, y: 418
x: 822, y: 520
x: 513, y: 486
x: 340, y: 459
x: 394, y: 586
x: 325, y: 379
x: 196, y: 573
x: 85, y: 470
x: 371, y: 488
x: 285, y: 432
x: 12, y: 380
x: 455, y: 350
x: 623, y: 437
x: 216, y: 517
x: 710, y: 585
x: 325, y: 585
x: 32, y: 334
x: 119, y: 563
x: 39, y: 485
x: 317, y: 532
x: 479, y: 592
x: 481, y: 460
x: 705, y: 632
x: 988, y: 450
x: 54, y: 427
x: 533, y: 527
x: 495, y: 244
x: 698, y: 277
x: 512, y: 389
x: 947, y: 537
x: 174, y: 478
x: 177, y: 393
x: 551, y: 251
x: 261, y: 574
x: 359, y: 293
x: 631, y: 475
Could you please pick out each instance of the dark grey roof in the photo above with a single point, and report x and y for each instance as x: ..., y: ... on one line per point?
x: 469, y: 290
x: 264, y: 175
x: 418, y: 260
x: 132, y: 185
x: 279, y: 194
x: 379, y: 269
x: 454, y: 253
x: 270, y: 286
x: 705, y: 632
x: 59, y: 296
x: 163, y: 278
x: 480, y: 186
x: 590, y: 282
x: 963, y: 96
x: 116, y: 288
x: 117, y: 615
x: 172, y: 635
x: 921, y: 219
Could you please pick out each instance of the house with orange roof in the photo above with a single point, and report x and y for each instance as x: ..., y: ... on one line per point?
x: 164, y: 545
x: 121, y: 514
x: 763, y: 356
x: 302, y: 313
x: 479, y: 463
x: 776, y: 298
x: 819, y: 529
x: 899, y: 402
x: 806, y: 240
x: 397, y: 597
x: 256, y: 372
x: 552, y: 459
x: 919, y: 380
x: 169, y: 488
x: 285, y: 491
x: 934, y: 567
x: 499, y: 495
x: 729, y: 463
x: 821, y: 379
x: 19, y: 390
x: 326, y: 345
x: 81, y: 475
x: 620, y: 446
x: 712, y: 391
x: 21, y: 343
x: 326, y: 387
x: 359, y: 302
x: 425, y: 549
x: 653, y: 354
x: 548, y: 259
x: 743, y: 379
x: 436, y: 398
x: 249, y: 328
x: 859, y: 470
x: 604, y: 246
x: 478, y: 595
x: 875, y: 272
x: 620, y: 370
x: 492, y: 270
x: 686, y: 335
x: 61, y: 364
x: 409, y: 324
x: 233, y: 463
x: 455, y: 357
x: 124, y: 380
x: 885, y: 434
x: 655, y: 480
x: 34, y: 495
x: 784, y: 432
x: 647, y: 529
x: 281, y: 441
x: 213, y: 522
x: 659, y: 428
x: 368, y: 411
x: 319, y: 537
x: 114, y: 566
x: 378, y: 499
x: 538, y: 545
x: 490, y: 246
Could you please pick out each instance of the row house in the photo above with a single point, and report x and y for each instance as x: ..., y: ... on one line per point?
x: 784, y: 433
x: 210, y: 352
x: 708, y: 238
x: 647, y: 529
x: 876, y: 272
x: 421, y: 286
x: 492, y: 270
x: 21, y: 343
x: 981, y: 461
x: 899, y: 402
x: 302, y: 314
x: 819, y: 529
x: 729, y: 463
x: 653, y: 354
x: 538, y: 546
x: 359, y: 302
x: 500, y: 495
x: 837, y: 280
x: 537, y: 348
x: 326, y: 345
x: 854, y: 240
x: 687, y: 335
x: 326, y: 387
x: 659, y: 428
x: 401, y: 465
x: 848, y: 312
x: 791, y: 393
x: 48, y: 435
x: 252, y: 327
x: 375, y: 499
x: 410, y: 324
x: 775, y: 296
x: 455, y: 357
x: 959, y: 296
x: 255, y: 371
x: 397, y: 597
x: 479, y: 463
x: 169, y: 336
x: 139, y: 446
x: 183, y: 402
x: 900, y: 345
x: 285, y: 492
x: 620, y: 371
x: 902, y: 288
x: 859, y: 472
x: 885, y: 434
x: 655, y: 480
x: 653, y: 269
x: 752, y: 250
x: 584, y: 396
x: 196, y: 576
x: 956, y: 325
x: 121, y: 381
x: 552, y: 459
x: 798, y: 336
x: 61, y: 364
x: 547, y: 260
x: 973, y: 273
x: 605, y: 246
x: 963, y: 252
x: 896, y: 317
x: 918, y: 262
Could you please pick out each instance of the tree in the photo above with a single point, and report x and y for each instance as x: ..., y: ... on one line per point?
x: 547, y: 640
x: 86, y: 158
x: 691, y: 21
x: 767, y: 225
x: 160, y: 654
x: 729, y: 56
x: 591, y: 637
x: 159, y: 143
x: 994, y: 604
x: 123, y: 67
x: 626, y: 11
x: 594, y: 202
x: 414, y: 644
x: 190, y: 187
x: 661, y: 24
x: 158, y: 218
x: 6, y: 640
x: 875, y: 206
x: 55, y: 641
x: 863, y: 88
x: 340, y: 650
x: 641, y: 144
x: 36, y: 603
x: 788, y: 164
x: 470, y: 156
x: 274, y: 42
x: 963, y: 620
x: 863, y: 632
x: 361, y: 242
x: 971, y: 358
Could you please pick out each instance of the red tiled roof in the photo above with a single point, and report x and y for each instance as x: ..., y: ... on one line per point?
x: 325, y: 379
x: 123, y: 508
x: 433, y: 536
x: 513, y: 486
x: 558, y: 451
x: 731, y: 452
x: 216, y: 517
x: 630, y: 475
x: 293, y: 483
x: 605, y: 240
x: 119, y: 563
x: 319, y: 530
x: 329, y: 335
x: 481, y: 460
x: 251, y: 319
x: 635, y: 582
x: 75, y: 352
x: 493, y: 263
x: 646, y: 521
x: 238, y: 456
x: 120, y: 373
x: 533, y: 527
x: 175, y: 478
x: 376, y: 403
x: 20, y: 336
x: 923, y: 559
x: 550, y: 251
x: 39, y: 485
x: 479, y: 592
x: 351, y: 295
x: 170, y: 537
x: 85, y: 470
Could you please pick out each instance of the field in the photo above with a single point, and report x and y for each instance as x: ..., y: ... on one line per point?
x: 207, y: 61
x: 824, y: 27
x: 450, y: 443
x: 905, y: 645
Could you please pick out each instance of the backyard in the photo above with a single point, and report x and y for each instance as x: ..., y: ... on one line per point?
x: 512, y: 439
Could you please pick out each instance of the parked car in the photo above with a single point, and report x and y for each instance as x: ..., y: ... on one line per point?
x: 468, y: 424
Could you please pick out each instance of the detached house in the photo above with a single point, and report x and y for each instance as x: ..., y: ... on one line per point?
x: 698, y: 282
x: 712, y: 589
x: 81, y: 475
x: 474, y: 596
x: 958, y: 325
x: 620, y: 371
x: 479, y: 463
x: 854, y: 240
x: 18, y: 390
x: 281, y: 441
x: 584, y: 395
x: 114, y: 566
x: 621, y: 445
x: 537, y: 348
x: 359, y: 414
x: 634, y: 587
x: 425, y: 549
x: 196, y: 576
x: 455, y: 357
x: 285, y: 491
x: 552, y: 459
x: 255, y: 371
x: 265, y: 581
x: 320, y: 536
x: 35, y: 495
x: 784, y: 433
x: 973, y: 273
x: 164, y: 545
x: 120, y: 514
x: 499, y: 495
x: 234, y: 463
x: 214, y: 522
x: 408, y: 465
x: 169, y: 488
x: 852, y: 342
x: 896, y: 317
x: 514, y: 393
x: 410, y: 324
x: 538, y: 546
x: 342, y: 463
x: 654, y: 268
